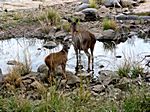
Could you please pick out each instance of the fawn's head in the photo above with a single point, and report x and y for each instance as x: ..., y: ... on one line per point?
x: 66, y: 47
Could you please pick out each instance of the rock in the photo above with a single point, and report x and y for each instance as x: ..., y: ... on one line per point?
x: 107, y: 77
x: 131, y: 34
x: 94, y: 93
x: 98, y: 88
x: 82, y: 6
x: 13, y: 62
x: 143, y: 8
x: 50, y: 45
x: 123, y: 83
x: 84, y: 74
x: 60, y: 35
x: 128, y: 3
x: 37, y: 85
x: 107, y: 35
x: 103, y: 12
x: 91, y: 14
x: 79, y: 15
x: 42, y: 69
x: 85, y: 1
x: 72, y: 79
x: 112, y: 3
x: 147, y: 78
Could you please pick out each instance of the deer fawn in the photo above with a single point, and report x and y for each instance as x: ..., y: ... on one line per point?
x: 82, y: 40
x: 53, y: 60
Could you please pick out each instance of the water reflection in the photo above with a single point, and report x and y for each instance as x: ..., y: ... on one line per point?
x: 105, y: 54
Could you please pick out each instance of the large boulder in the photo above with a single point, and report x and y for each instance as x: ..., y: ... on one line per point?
x: 91, y: 14
x: 72, y: 78
x: 82, y: 6
x: 107, y: 35
x: 128, y: 3
x: 107, y: 77
x: 98, y: 88
x: 50, y: 45
x: 111, y: 3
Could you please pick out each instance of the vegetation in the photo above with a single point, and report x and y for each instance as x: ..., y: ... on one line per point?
x: 137, y: 100
x: 100, y: 2
x: 93, y: 3
x: 109, y: 24
x: 50, y: 16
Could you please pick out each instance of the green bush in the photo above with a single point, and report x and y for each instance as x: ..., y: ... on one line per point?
x: 109, y: 24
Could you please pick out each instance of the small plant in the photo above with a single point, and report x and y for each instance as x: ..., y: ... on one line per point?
x: 136, y: 71
x: 66, y: 26
x: 100, y: 2
x: 109, y: 24
x: 93, y: 3
x: 124, y: 70
x: 17, y: 16
x: 50, y: 16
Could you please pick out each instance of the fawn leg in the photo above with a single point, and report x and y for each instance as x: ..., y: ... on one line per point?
x: 64, y: 72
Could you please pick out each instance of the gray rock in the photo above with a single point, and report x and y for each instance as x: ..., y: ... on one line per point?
x: 123, y: 83
x: 72, y: 79
x: 108, y: 34
x: 82, y: 6
x: 84, y: 74
x: 50, y: 45
x: 60, y: 35
x: 91, y: 14
x: 79, y: 15
x: 107, y: 77
x: 42, y: 69
x: 13, y: 62
x: 103, y: 12
x: 131, y: 34
x: 127, y: 3
x: 98, y: 88
x: 110, y: 3
x: 85, y: 1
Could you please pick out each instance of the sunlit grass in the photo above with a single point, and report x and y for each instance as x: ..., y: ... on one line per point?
x: 109, y: 24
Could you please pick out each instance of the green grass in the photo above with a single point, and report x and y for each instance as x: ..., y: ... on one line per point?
x: 109, y: 24
x: 136, y: 100
x: 93, y: 3
x: 50, y: 16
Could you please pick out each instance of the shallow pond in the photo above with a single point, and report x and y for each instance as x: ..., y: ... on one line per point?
x: 133, y: 50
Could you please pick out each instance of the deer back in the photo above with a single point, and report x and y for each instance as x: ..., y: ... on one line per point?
x: 83, y: 39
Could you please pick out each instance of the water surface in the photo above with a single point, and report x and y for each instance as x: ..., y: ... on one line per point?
x: 134, y: 49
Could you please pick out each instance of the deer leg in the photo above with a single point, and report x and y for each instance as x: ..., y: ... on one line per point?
x: 88, y: 55
x: 92, y: 49
x: 77, y: 60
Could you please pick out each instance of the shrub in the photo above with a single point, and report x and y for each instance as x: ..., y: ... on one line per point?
x: 50, y: 16
x: 109, y: 24
x: 93, y: 3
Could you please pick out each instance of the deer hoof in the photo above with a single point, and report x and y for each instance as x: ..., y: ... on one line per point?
x: 88, y: 70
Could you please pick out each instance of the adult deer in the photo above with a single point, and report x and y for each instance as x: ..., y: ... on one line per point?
x: 82, y: 40
x: 54, y: 60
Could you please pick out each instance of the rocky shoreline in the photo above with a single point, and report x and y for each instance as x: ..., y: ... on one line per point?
x: 32, y: 85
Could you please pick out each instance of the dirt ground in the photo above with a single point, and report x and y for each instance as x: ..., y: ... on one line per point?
x: 29, y: 4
